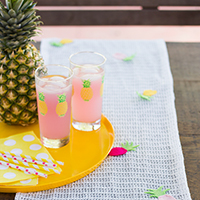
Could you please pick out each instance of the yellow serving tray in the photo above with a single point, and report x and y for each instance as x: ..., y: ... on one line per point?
x: 84, y: 153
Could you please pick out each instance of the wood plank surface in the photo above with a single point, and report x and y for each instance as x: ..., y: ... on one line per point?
x: 119, y: 17
x: 148, y: 15
x: 5, y: 196
x: 184, y: 62
x: 149, y: 3
x: 118, y: 3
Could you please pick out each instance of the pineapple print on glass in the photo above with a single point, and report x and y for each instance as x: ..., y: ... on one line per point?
x: 18, y: 61
x: 54, y: 87
x: 102, y: 85
x: 72, y: 90
x: 62, y: 106
x: 87, y: 84
x: 42, y: 106
x: 86, y: 91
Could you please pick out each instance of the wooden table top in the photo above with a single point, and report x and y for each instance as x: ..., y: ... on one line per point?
x: 184, y: 62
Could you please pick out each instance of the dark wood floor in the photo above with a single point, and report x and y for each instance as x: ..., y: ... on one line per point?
x: 184, y: 61
x: 185, y: 66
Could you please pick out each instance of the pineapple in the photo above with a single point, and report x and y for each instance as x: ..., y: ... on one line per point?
x: 86, y: 91
x: 18, y: 61
x: 62, y: 106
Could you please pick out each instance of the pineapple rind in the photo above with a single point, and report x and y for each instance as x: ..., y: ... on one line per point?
x: 18, y: 103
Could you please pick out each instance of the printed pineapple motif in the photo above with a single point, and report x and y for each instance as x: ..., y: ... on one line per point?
x: 62, y: 106
x: 160, y: 194
x: 149, y: 92
x: 42, y: 106
x: 117, y: 151
x: 86, y: 91
x: 102, y: 85
x: 72, y: 90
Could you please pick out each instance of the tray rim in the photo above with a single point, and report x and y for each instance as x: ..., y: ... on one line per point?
x: 38, y: 187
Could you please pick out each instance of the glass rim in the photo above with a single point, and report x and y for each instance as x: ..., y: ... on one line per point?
x: 64, y: 79
x: 92, y: 52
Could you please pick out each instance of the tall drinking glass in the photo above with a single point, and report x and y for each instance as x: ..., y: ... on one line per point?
x: 87, y: 89
x: 54, y: 90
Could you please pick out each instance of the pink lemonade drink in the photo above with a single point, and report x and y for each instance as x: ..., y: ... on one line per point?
x: 54, y: 109
x: 88, y: 93
x: 87, y: 96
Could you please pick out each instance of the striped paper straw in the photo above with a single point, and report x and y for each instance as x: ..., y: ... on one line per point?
x: 25, y: 170
x: 41, y: 167
x: 27, y: 159
x: 45, y: 160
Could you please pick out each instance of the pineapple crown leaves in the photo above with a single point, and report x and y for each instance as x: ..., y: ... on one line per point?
x: 62, y: 98
x: 103, y: 79
x: 146, y: 97
x: 86, y: 83
x: 129, y: 58
x: 129, y: 147
x: 117, y: 151
x: 41, y: 96
x: 157, y: 193
x: 18, y: 23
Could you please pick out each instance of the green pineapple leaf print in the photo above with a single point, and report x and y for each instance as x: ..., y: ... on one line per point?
x: 41, y: 96
x: 86, y: 83
x: 61, y: 98
x: 102, y: 79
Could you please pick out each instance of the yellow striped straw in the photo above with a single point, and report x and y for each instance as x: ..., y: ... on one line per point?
x: 24, y: 169
x: 30, y: 159
x: 6, y: 158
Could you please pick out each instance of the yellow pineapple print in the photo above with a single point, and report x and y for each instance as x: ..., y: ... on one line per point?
x: 42, y: 106
x: 102, y: 85
x: 86, y: 91
x: 72, y: 90
x: 62, y: 106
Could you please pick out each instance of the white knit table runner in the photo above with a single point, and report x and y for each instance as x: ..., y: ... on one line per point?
x: 158, y: 161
